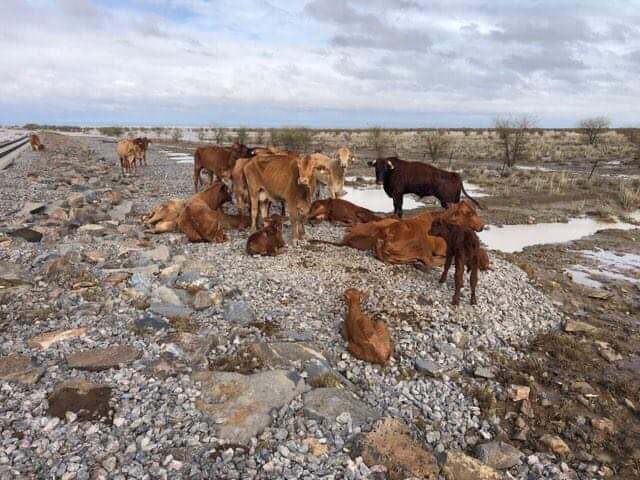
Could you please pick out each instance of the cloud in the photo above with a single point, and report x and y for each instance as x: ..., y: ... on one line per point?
x: 324, y: 62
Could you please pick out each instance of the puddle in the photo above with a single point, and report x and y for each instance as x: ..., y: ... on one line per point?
x: 580, y: 275
x: 376, y: 200
x: 474, y: 190
x: 179, y: 157
x: 534, y: 168
x: 513, y: 238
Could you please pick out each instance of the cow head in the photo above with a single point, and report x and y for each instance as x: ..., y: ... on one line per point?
x: 353, y: 296
x: 319, y: 211
x: 217, y: 194
x: 345, y: 156
x: 307, y: 165
x: 463, y: 214
x: 383, y: 166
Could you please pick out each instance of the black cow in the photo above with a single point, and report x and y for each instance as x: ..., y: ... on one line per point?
x: 399, y: 177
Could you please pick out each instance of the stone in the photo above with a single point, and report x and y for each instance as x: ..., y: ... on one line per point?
x: 121, y: 211
x: 45, y: 340
x: 239, y: 312
x: 75, y: 200
x: 576, y: 326
x: 498, y: 455
x: 88, y: 400
x: 450, y: 350
x: 19, y: 368
x: 316, y: 448
x: 431, y: 368
x: 114, y: 197
x: 173, y: 312
x: 326, y: 404
x: 240, y: 405
x: 27, y: 234
x: 150, y: 323
x: 31, y: 208
x: 202, y: 300
x: 390, y: 444
x: 189, y: 347
x: 158, y: 254
x: 610, y: 355
x: 603, y: 424
x: 167, y: 295
x: 583, y: 387
x: 459, y: 466
x: 519, y: 392
x: 93, y: 229
x: 485, y: 372
x: 103, y: 358
x: 555, y: 444
x: 11, y: 274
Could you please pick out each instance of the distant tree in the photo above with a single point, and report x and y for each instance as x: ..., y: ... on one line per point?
x: 274, y: 138
x: 298, y: 139
x: 259, y: 137
x: 241, y: 135
x: 177, y: 134
x: 111, y: 131
x: 376, y: 138
x: 436, y: 144
x: 202, y: 134
x: 593, y: 128
x: 601, y: 152
x: 220, y: 136
x: 633, y: 137
x: 512, y: 134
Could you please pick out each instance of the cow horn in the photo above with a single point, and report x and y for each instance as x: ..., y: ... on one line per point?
x: 371, y: 163
x: 390, y: 165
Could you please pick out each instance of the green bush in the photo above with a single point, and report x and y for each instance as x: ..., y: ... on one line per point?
x: 111, y: 131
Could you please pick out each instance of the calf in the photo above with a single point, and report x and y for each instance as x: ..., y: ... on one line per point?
x: 331, y: 175
x: 143, y: 143
x: 128, y: 152
x: 36, y: 144
x: 463, y: 246
x: 338, y: 210
x: 368, y: 339
x: 345, y: 157
x: 284, y: 178
x: 201, y: 224
x: 399, y: 177
x: 268, y: 240
x: 217, y: 161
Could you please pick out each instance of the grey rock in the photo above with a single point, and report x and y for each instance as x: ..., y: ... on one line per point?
x: 12, y: 274
x: 151, y: 323
x: 241, y: 404
x: 171, y: 311
x: 326, y: 404
x: 499, y: 455
x: 19, y: 368
x: 430, y: 368
x: 158, y: 254
x: 103, y: 358
x: 32, y: 208
x: 28, y: 234
x: 485, y: 372
x: 239, y: 312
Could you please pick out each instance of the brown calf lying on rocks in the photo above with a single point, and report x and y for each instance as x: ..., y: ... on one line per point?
x: 338, y: 210
x: 369, y: 339
x: 463, y: 245
x: 268, y: 240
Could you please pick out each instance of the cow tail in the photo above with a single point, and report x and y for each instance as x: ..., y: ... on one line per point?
x: 470, y: 197
x: 196, y: 169
x: 326, y: 242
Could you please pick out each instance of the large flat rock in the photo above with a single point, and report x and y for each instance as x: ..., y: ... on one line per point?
x: 103, y: 358
x: 45, y: 340
x: 19, y: 368
x: 241, y: 404
x: 326, y: 404
x: 89, y: 400
x: 11, y: 274
x: 460, y: 466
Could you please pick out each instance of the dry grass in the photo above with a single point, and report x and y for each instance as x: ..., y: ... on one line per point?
x: 628, y: 194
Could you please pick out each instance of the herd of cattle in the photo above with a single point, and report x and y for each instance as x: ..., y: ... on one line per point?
x: 254, y: 178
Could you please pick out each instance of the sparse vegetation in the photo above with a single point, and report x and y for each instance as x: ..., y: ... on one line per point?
x: 376, y: 138
x: 593, y: 128
x: 177, y: 134
x: 436, y: 144
x: 633, y: 137
x: 512, y: 134
x: 111, y: 131
x: 259, y: 137
x: 628, y: 194
x: 202, y: 135
x: 241, y: 135
x: 220, y: 136
x: 297, y: 139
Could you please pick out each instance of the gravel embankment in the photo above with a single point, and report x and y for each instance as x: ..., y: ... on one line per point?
x: 198, y: 307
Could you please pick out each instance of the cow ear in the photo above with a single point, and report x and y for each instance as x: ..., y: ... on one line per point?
x: 390, y: 165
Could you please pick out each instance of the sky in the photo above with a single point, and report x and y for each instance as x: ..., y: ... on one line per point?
x: 318, y: 63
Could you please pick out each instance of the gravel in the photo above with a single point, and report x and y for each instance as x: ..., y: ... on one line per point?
x: 134, y: 290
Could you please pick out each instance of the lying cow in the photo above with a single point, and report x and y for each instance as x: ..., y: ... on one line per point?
x: 268, y: 240
x: 164, y: 218
x: 368, y: 339
x: 341, y: 211
x: 284, y: 178
x: 463, y: 246
x: 143, y: 143
x: 128, y: 151
x: 201, y: 220
x: 400, y: 177
x: 36, y: 144
x: 216, y: 161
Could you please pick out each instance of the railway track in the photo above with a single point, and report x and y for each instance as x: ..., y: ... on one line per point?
x: 8, y: 147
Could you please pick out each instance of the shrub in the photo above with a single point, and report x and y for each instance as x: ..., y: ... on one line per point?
x: 177, y: 134
x: 220, y: 136
x: 592, y: 128
x: 628, y: 196
x: 241, y: 135
x: 436, y: 144
x: 512, y: 134
x: 111, y: 131
x: 298, y: 139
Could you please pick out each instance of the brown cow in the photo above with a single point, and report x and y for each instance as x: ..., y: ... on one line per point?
x: 345, y: 157
x: 217, y: 161
x: 368, y: 339
x: 201, y: 224
x: 143, y: 143
x: 400, y: 177
x: 463, y: 246
x: 341, y: 211
x: 36, y: 144
x: 286, y: 178
x: 331, y: 175
x: 268, y: 240
x: 128, y: 152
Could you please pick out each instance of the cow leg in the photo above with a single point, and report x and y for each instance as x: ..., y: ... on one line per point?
x: 264, y: 210
x: 254, y: 211
x: 473, y: 281
x: 144, y: 157
x: 211, y: 177
x: 459, y: 279
x: 397, y: 204
x: 196, y: 178
x: 447, y: 266
x: 283, y: 213
x: 122, y: 165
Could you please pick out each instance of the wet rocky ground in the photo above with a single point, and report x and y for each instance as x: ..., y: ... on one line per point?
x: 128, y: 355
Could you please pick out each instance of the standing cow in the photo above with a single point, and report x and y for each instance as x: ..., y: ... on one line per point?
x: 399, y: 177
x: 36, y: 144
